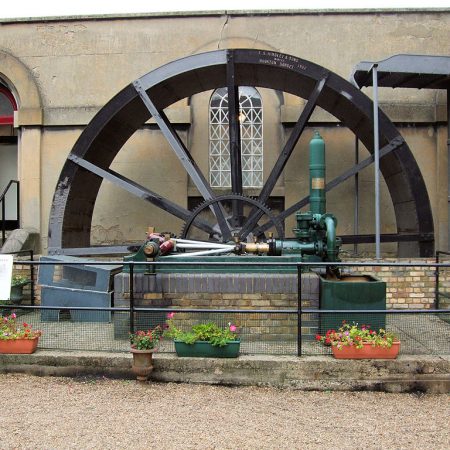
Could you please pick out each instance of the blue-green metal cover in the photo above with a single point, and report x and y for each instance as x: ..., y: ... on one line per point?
x: 232, y: 264
x: 357, y: 292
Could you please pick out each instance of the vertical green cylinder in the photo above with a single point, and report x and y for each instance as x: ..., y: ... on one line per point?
x: 317, y: 199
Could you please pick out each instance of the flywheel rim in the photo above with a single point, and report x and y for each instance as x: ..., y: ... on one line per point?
x: 88, y: 163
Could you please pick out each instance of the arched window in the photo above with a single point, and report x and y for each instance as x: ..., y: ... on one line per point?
x: 7, y: 107
x: 251, y: 120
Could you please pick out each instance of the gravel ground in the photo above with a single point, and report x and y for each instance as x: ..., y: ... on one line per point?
x: 63, y: 413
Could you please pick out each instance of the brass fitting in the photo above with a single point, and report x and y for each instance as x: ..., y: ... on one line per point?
x: 255, y: 247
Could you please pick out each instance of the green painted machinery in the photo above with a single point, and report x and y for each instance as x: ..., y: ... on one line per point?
x: 315, y: 235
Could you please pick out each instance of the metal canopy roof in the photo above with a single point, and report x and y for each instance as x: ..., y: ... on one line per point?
x: 405, y: 71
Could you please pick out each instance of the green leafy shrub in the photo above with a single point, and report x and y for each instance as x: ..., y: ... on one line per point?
x: 19, y: 280
x: 205, y: 332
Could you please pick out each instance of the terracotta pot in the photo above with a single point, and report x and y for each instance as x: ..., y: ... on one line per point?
x: 367, y: 352
x: 142, y: 363
x: 16, y: 346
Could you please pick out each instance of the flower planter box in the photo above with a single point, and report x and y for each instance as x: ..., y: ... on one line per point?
x: 18, y: 346
x: 16, y: 295
x: 367, y: 352
x: 202, y: 349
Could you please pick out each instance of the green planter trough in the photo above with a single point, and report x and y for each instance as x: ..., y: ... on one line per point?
x: 202, y: 349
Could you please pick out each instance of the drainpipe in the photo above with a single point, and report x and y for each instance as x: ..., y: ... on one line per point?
x: 376, y: 151
x: 448, y: 166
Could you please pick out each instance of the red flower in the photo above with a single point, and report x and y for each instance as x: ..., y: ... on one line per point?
x: 318, y: 337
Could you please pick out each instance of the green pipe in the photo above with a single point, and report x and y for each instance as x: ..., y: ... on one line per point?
x: 330, y: 226
x: 317, y: 200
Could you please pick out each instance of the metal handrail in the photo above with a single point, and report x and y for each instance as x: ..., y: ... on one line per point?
x: 2, y: 201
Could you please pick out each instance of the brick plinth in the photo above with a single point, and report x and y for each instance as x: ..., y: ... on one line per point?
x: 227, y: 291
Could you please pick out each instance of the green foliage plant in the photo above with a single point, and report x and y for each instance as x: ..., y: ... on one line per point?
x: 205, y: 332
x: 355, y: 335
x: 146, y: 340
x: 19, y: 280
x: 11, y: 329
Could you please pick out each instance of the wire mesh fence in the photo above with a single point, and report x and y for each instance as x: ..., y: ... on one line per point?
x: 260, y: 332
x: 419, y: 332
x: 275, y: 313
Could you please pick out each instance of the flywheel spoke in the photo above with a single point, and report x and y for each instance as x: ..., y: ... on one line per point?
x: 139, y: 191
x: 235, y: 141
x: 395, y: 143
x: 184, y: 156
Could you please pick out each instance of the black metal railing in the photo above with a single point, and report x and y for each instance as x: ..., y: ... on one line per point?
x: 7, y: 224
x: 439, y: 292
x: 422, y: 331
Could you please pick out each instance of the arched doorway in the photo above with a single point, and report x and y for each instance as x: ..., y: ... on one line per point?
x: 9, y: 189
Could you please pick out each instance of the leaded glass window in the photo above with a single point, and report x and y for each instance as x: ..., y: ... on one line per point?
x: 250, y: 118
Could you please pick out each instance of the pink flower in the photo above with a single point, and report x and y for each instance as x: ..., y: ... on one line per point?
x: 13, y: 315
x: 171, y: 315
x: 233, y: 328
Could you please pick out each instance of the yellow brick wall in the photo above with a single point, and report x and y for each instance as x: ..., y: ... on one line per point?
x: 408, y: 287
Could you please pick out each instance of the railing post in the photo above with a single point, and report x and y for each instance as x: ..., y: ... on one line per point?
x: 18, y: 204
x: 32, y: 277
x: 299, y: 310
x: 131, y: 265
x: 436, y: 287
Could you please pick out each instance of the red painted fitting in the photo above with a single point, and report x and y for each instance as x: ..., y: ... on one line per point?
x: 166, y: 247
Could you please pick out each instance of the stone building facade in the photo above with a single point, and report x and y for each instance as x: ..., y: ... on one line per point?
x: 61, y: 71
